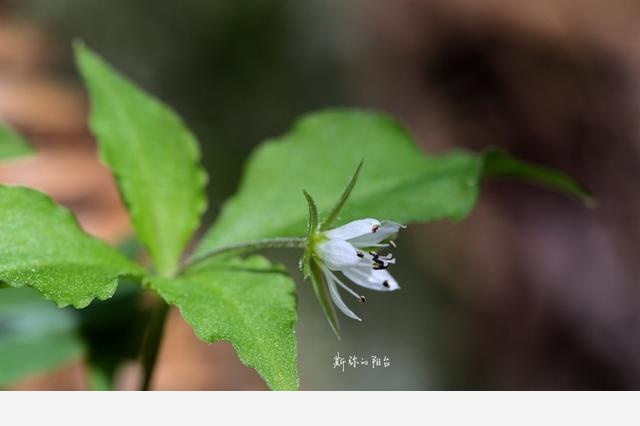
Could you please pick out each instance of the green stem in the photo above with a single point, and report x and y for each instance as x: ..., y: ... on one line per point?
x: 249, y: 246
x: 151, y: 346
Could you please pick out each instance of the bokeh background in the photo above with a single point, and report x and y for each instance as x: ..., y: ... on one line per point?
x: 532, y: 291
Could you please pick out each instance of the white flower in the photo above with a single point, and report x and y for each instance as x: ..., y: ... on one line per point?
x: 351, y: 250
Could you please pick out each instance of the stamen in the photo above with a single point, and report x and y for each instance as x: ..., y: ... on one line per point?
x: 362, y: 299
x: 393, y: 244
x: 360, y: 254
x: 380, y: 262
x: 375, y: 228
x: 386, y: 284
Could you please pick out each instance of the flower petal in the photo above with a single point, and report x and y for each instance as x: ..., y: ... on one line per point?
x: 337, y: 254
x: 367, y: 277
x: 386, y: 229
x: 353, y: 229
x: 335, y: 296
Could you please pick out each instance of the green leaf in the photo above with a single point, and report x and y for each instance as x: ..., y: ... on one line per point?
x: 397, y: 182
x: 250, y: 303
x: 498, y: 163
x: 335, y: 212
x: 12, y: 144
x: 154, y: 157
x: 42, y: 246
x: 322, y: 293
x: 312, y: 226
x: 35, y: 336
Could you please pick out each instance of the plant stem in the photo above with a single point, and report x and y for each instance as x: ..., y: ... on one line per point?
x: 152, y: 340
x: 249, y: 246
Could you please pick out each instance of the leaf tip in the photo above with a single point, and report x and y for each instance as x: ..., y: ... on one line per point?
x: 335, y: 212
x: 308, y: 196
x: 589, y: 200
x: 80, y: 49
x: 78, y: 43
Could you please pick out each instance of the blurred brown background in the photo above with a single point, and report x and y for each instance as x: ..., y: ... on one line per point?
x: 532, y: 291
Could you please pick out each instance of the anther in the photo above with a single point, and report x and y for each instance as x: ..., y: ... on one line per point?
x: 375, y: 228
x: 393, y: 244
x: 362, y: 299
x: 374, y: 254
x: 360, y: 254
x: 386, y: 284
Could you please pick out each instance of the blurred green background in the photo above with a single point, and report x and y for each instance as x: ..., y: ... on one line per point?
x: 533, y: 291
